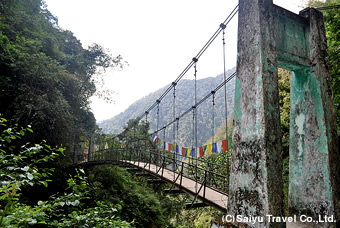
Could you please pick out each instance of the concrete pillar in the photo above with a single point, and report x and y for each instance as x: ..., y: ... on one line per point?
x: 314, y: 156
x: 270, y: 36
x: 256, y: 163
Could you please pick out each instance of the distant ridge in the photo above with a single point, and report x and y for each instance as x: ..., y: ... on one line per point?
x: 184, y: 100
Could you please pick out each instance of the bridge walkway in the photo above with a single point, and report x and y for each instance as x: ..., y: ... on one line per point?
x: 208, y: 195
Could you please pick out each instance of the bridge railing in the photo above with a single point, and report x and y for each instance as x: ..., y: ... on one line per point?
x: 202, y: 172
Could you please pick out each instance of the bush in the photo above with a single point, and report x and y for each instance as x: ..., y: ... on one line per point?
x: 116, y: 185
x: 19, y: 169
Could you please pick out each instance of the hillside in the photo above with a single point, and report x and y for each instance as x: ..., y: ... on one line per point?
x: 184, y: 100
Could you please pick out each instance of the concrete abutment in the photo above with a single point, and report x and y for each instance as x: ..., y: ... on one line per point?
x: 271, y: 37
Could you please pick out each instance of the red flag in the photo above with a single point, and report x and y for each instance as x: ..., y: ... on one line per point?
x: 183, y: 151
x: 225, y: 145
x: 201, y: 151
x: 157, y: 140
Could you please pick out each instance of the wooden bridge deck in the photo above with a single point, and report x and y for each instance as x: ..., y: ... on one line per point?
x: 211, y: 197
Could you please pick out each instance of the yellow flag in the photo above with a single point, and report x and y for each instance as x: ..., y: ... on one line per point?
x: 189, y: 151
x: 210, y: 149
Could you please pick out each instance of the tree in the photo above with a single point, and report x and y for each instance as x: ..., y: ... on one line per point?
x: 19, y: 169
x: 115, y: 185
x: 284, y: 100
x: 46, y: 76
x: 136, y: 134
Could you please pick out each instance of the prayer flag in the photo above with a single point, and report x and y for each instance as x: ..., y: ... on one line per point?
x: 183, y: 151
x: 189, y: 152
x: 201, y: 151
x: 219, y: 147
x: 106, y: 146
x: 205, y: 151
x: 192, y: 153
x: 214, y: 148
x: 169, y: 147
x: 209, y: 148
x: 186, y: 152
x: 154, y: 137
x: 177, y: 149
x: 157, y: 140
x: 174, y: 147
x: 225, y: 145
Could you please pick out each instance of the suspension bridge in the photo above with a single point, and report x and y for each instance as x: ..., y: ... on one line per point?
x: 184, y: 174
x: 249, y: 183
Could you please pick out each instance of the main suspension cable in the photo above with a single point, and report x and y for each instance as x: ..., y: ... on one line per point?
x: 194, y: 60
x: 203, y: 99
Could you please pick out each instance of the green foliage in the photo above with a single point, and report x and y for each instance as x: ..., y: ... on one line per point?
x: 285, y: 175
x: 136, y: 129
x: 136, y: 135
x: 219, y: 164
x: 46, y: 76
x: 115, y: 185
x: 216, y: 162
x: 18, y: 162
x: 284, y: 96
x: 332, y: 25
x: 71, y: 209
x: 199, y: 217
x: 19, y: 169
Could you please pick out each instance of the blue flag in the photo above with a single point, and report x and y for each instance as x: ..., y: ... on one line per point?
x: 214, y: 148
x: 192, y: 153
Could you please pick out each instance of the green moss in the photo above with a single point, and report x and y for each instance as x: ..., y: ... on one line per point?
x: 238, y: 94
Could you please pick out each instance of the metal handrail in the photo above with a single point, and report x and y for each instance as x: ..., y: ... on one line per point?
x: 206, y: 177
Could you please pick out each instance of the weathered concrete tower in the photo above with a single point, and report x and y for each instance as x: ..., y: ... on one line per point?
x: 270, y: 37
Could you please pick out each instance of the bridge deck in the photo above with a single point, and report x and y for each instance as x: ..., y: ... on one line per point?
x: 211, y: 197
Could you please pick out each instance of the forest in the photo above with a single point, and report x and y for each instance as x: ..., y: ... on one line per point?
x: 209, y: 118
x: 46, y: 81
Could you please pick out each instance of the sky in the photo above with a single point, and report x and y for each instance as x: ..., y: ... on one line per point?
x: 157, y: 38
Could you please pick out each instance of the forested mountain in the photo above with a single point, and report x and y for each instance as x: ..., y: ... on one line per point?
x: 184, y: 101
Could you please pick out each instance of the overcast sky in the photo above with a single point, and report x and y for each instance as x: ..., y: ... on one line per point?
x: 158, y: 39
